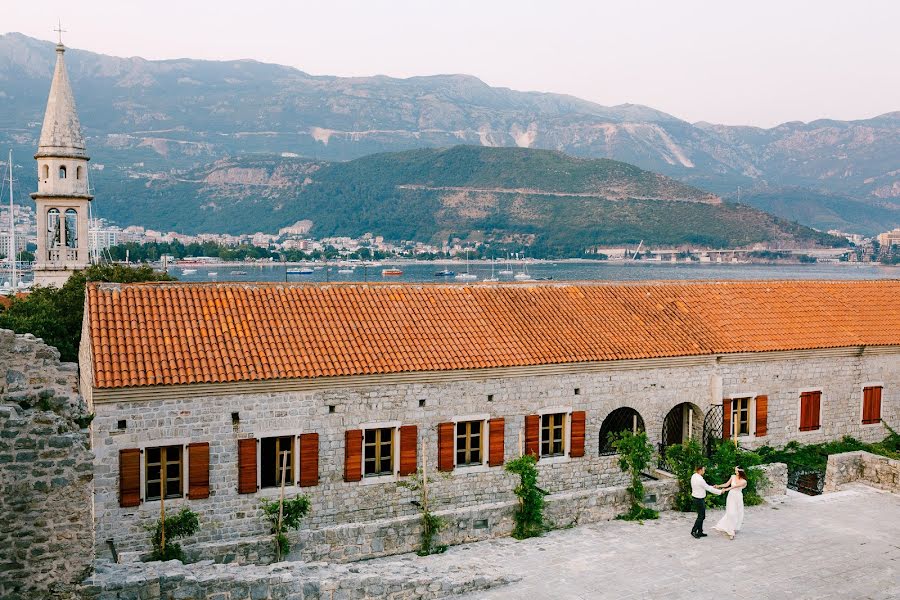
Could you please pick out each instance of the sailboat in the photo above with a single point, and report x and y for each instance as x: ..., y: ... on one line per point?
x: 522, y: 275
x: 492, y: 277
x: 13, y: 284
x: 506, y: 270
x: 467, y: 276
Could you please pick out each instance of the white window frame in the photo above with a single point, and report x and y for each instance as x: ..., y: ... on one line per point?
x: 185, y: 465
x: 751, y: 414
x: 295, y: 448
x: 485, y: 442
x: 567, y: 435
x: 800, y: 392
x: 395, y: 475
x: 862, y: 399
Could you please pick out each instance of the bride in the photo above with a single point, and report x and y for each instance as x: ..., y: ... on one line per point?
x: 731, y: 522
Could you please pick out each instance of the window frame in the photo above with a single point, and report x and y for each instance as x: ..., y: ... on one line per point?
x: 185, y: 466
x: 862, y: 403
x: 799, y: 405
x: 751, y: 414
x: 292, y: 460
x: 395, y: 452
x: 484, y: 419
x: 566, y: 411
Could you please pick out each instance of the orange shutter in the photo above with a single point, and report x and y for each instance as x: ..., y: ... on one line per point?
x: 871, y: 405
x: 129, y: 477
x: 816, y: 410
x: 496, y: 444
x: 876, y: 405
x: 446, y: 446
x: 576, y: 447
x: 409, y: 442
x: 198, y: 470
x: 762, y: 415
x: 353, y: 439
x: 533, y: 435
x: 247, y: 466
x: 867, y: 405
x: 309, y: 459
x: 726, y: 418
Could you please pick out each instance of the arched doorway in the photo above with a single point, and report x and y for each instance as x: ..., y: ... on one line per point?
x: 684, y: 422
x: 621, y: 419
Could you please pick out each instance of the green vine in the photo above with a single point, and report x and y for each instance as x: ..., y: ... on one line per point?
x: 529, y: 515
x: 635, y: 454
x: 431, y: 523
x: 683, y: 459
x: 293, y: 512
x: 181, y: 524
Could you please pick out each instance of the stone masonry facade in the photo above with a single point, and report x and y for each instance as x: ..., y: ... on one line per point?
x: 351, y: 520
x: 878, y: 471
x: 46, y: 473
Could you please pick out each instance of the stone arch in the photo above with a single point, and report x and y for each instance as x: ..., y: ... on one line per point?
x: 71, y: 223
x: 54, y: 234
x: 62, y: 171
x: 623, y: 418
x: 46, y: 171
x: 683, y: 422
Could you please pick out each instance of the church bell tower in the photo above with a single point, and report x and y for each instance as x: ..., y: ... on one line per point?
x: 63, y: 198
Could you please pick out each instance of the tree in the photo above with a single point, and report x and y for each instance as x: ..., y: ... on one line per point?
x: 55, y: 314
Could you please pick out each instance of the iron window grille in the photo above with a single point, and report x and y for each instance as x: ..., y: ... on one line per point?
x: 619, y: 420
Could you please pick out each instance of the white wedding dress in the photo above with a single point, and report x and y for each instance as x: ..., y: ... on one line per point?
x: 731, y: 522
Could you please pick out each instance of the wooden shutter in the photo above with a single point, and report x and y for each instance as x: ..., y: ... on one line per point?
x: 762, y: 415
x: 247, y: 466
x: 817, y: 407
x: 533, y: 435
x: 497, y: 433
x: 309, y: 459
x: 810, y: 410
x: 726, y: 418
x: 446, y: 446
x: 576, y: 446
x: 353, y: 441
x: 409, y: 444
x: 871, y: 405
x: 129, y: 477
x: 198, y: 470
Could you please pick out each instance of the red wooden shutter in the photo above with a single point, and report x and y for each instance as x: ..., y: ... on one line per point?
x: 762, y: 415
x: 496, y: 444
x: 810, y: 410
x: 726, y: 418
x: 533, y: 435
x: 309, y: 459
x: 198, y: 470
x: 409, y: 444
x: 576, y: 447
x: 446, y: 446
x: 353, y: 440
x: 871, y: 405
x: 876, y: 405
x: 804, y: 411
x: 247, y: 466
x: 816, y: 412
x: 129, y: 477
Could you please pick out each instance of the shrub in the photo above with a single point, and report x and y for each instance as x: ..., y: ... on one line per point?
x: 294, y: 510
x: 635, y: 454
x: 683, y: 459
x: 720, y: 468
x: 529, y: 516
x: 181, y: 524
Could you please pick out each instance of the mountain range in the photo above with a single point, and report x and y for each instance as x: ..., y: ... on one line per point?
x: 145, y: 119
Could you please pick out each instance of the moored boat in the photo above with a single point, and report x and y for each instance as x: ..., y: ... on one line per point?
x: 391, y: 272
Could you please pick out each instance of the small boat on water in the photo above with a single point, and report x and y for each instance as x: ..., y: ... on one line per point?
x: 445, y: 273
x: 238, y: 273
x: 345, y: 270
x: 301, y: 271
x: 467, y: 276
x: 212, y: 274
x: 188, y: 271
x: 391, y: 272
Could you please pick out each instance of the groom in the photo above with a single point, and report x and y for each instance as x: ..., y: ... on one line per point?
x: 699, y: 487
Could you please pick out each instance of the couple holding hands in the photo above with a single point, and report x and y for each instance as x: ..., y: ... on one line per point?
x: 731, y: 522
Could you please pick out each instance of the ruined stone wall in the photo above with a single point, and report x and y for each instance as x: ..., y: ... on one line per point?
x: 46, y: 473
x: 373, y: 513
x: 878, y: 471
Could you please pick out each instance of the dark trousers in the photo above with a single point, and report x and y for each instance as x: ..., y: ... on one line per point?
x: 700, y: 507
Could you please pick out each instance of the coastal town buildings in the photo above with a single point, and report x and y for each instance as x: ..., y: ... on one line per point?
x: 199, y: 390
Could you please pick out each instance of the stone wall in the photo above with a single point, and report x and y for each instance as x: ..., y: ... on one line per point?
x: 341, y: 509
x: 46, y: 473
x: 776, y: 479
x: 878, y: 471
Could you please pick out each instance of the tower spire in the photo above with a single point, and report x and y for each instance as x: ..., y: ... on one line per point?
x: 61, y: 132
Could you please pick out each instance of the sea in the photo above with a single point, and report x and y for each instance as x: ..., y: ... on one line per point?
x: 541, y: 270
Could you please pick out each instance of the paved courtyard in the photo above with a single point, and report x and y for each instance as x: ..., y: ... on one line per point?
x: 840, y: 545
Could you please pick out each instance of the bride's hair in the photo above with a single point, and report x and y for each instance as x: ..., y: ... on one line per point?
x: 741, y: 474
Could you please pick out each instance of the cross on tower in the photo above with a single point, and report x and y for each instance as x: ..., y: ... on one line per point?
x: 60, y: 31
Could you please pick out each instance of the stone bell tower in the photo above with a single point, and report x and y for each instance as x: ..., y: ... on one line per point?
x: 62, y: 199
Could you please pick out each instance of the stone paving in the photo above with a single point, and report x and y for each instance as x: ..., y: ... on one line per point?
x: 840, y: 545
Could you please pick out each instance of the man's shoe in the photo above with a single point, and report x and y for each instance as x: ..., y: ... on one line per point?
x: 695, y: 535
x: 701, y: 534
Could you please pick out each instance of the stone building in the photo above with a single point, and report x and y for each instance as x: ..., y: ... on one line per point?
x: 63, y: 197
x: 199, y: 388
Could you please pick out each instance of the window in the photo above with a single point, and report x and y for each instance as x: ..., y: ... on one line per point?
x: 163, y: 472
x: 810, y: 406
x: 62, y: 172
x: 271, y: 458
x: 619, y: 420
x: 468, y: 443
x: 740, y: 416
x: 77, y: 172
x: 553, y: 434
x: 46, y: 171
x: 378, y: 451
x: 871, y: 411
x: 71, y: 224
x: 53, y: 231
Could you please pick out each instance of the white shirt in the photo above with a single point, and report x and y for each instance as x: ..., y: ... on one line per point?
x: 699, y: 487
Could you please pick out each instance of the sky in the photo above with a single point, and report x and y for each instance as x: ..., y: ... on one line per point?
x: 759, y: 62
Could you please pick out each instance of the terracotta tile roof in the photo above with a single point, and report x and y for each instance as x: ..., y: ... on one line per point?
x: 176, y: 333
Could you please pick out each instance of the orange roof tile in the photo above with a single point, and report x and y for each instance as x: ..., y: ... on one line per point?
x: 174, y: 333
